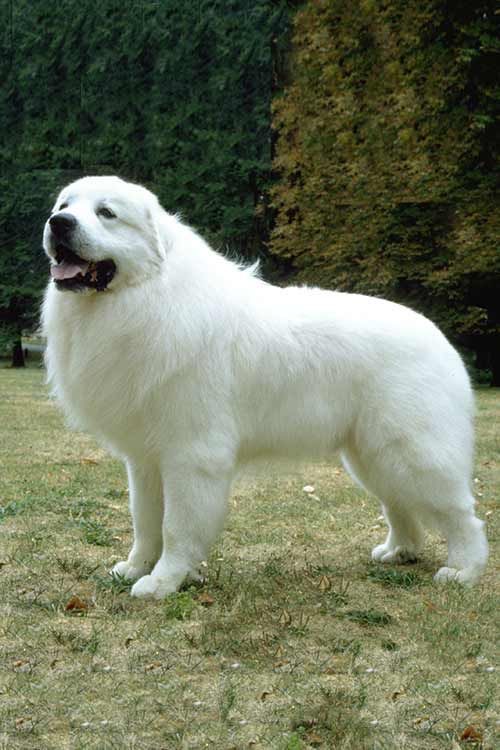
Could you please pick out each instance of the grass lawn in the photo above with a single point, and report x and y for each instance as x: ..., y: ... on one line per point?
x: 296, y: 640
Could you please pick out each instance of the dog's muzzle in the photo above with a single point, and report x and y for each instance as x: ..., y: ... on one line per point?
x: 70, y: 271
x: 62, y: 225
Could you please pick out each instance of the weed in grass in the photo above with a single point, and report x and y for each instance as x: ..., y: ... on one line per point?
x: 227, y: 698
x: 294, y: 742
x: 113, y: 494
x: 76, y: 642
x: 114, y: 583
x: 368, y: 617
x: 389, y: 645
x: 346, y: 645
x: 333, y: 597
x: 179, y: 606
x: 83, y: 507
x: 10, y: 509
x: 335, y: 720
x: 77, y: 567
x: 406, y: 579
x: 299, y: 626
x: 94, y: 532
x: 274, y: 567
x: 474, y: 649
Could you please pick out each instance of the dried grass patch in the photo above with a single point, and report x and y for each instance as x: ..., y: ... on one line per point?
x: 295, y: 640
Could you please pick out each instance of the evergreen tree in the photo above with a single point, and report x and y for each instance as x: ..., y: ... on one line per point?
x: 173, y: 95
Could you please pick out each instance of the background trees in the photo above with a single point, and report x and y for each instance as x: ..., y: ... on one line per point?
x: 384, y: 114
x: 386, y: 153
x: 174, y: 95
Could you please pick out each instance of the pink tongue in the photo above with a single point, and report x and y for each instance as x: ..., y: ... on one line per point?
x: 67, y: 270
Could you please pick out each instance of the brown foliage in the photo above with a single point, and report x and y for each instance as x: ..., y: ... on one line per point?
x: 386, y: 150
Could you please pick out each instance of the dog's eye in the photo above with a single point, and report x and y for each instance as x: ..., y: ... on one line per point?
x: 106, y: 213
x: 62, y: 206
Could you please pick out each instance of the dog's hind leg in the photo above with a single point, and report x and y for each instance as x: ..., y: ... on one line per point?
x: 406, y: 535
x: 467, y: 544
x: 405, y: 538
x: 436, y: 495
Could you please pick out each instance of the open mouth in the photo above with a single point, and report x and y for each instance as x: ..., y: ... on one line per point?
x: 74, y: 273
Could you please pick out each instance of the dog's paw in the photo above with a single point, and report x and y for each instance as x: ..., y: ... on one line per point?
x: 396, y: 555
x: 153, y: 587
x: 125, y: 569
x: 466, y: 576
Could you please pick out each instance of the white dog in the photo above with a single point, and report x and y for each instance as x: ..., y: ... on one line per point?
x: 187, y: 366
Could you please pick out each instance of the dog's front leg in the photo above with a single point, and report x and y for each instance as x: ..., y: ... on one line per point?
x: 146, y: 507
x: 195, y: 509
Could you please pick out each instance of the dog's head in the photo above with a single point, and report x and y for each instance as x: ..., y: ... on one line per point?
x: 103, y: 233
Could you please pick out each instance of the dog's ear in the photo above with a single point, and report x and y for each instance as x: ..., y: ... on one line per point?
x: 159, y: 237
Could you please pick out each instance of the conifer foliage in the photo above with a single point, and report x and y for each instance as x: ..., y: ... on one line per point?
x: 174, y: 95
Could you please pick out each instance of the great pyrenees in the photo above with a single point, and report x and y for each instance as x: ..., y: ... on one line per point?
x: 188, y: 366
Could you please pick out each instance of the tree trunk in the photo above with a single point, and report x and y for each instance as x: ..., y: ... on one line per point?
x: 17, y: 354
x: 495, y: 362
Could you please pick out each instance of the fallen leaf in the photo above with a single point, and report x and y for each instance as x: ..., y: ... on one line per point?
x: 21, y: 665
x: 264, y: 694
x: 324, y: 583
x: 285, y: 618
x: 419, y: 720
x: 471, y: 734
x: 154, y: 665
x: 205, y: 599
x: 89, y: 461
x: 314, y: 739
x: 75, y: 604
x: 282, y: 663
x: 397, y: 694
x: 24, y: 723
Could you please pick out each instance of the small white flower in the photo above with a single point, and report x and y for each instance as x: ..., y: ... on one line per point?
x: 308, y: 488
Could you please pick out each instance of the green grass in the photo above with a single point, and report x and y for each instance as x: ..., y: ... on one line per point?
x: 295, y: 640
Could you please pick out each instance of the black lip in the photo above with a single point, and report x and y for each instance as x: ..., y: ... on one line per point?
x: 63, y: 252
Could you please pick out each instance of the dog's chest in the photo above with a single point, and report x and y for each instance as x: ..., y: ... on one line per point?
x: 93, y: 366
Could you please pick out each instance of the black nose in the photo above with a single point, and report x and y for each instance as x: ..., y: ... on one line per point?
x: 62, y: 224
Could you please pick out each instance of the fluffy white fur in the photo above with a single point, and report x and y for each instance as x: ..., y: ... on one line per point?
x: 189, y: 366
